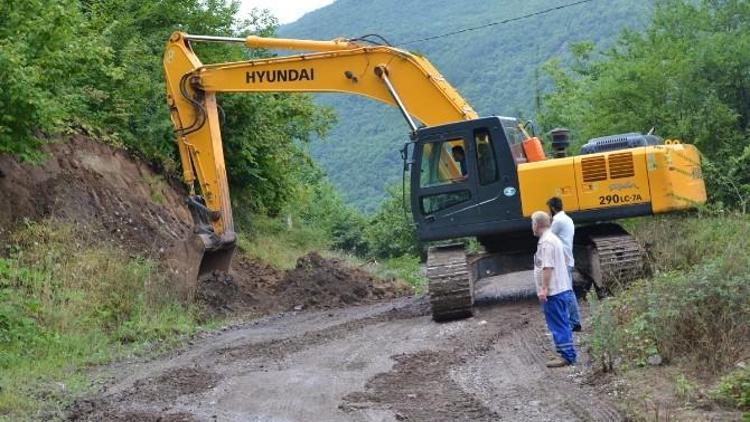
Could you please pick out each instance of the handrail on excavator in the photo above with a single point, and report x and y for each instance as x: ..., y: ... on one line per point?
x: 254, y: 41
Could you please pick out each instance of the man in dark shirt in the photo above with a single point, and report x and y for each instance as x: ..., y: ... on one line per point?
x: 460, y: 157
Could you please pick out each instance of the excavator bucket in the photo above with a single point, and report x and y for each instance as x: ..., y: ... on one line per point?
x: 213, y: 252
x: 202, y: 256
x: 217, y: 256
x: 190, y: 262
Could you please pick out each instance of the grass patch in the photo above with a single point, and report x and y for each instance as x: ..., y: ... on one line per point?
x: 406, y: 268
x: 64, y: 306
x: 681, y: 242
x: 694, y: 312
x: 734, y: 389
x: 275, y: 242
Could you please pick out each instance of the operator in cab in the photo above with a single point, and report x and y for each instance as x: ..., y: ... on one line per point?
x: 460, y: 157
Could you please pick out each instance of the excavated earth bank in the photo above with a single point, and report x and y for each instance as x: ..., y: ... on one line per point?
x: 110, y: 195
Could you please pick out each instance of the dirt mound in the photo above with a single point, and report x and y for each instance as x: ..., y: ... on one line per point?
x: 103, y: 190
x: 249, y: 288
x: 318, y: 282
x: 174, y: 383
x: 315, y: 283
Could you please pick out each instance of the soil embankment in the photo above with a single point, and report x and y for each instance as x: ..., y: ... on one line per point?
x: 104, y: 191
x: 111, y: 196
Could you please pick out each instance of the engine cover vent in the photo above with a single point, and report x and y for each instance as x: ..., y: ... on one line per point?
x: 594, y: 169
x: 621, y: 165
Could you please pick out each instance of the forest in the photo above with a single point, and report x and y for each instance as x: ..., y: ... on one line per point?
x: 497, y: 69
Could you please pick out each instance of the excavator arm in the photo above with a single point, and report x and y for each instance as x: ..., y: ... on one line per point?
x: 383, y: 73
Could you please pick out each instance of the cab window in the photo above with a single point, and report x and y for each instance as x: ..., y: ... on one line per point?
x: 515, y: 140
x: 444, y: 162
x: 486, y: 161
x: 438, y: 202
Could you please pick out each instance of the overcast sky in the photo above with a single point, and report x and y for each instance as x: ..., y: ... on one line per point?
x: 286, y: 10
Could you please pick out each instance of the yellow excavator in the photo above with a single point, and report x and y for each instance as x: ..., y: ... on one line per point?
x: 470, y: 176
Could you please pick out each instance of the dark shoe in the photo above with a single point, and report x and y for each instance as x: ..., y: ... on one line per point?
x: 577, y: 328
x: 557, y: 363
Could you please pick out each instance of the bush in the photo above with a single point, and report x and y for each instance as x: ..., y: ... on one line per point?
x: 683, y: 241
x: 390, y: 232
x: 700, y: 315
x: 48, y: 68
x: 734, y: 389
x: 697, y: 313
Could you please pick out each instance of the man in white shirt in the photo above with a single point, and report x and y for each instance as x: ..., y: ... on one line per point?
x: 553, y: 288
x: 563, y: 227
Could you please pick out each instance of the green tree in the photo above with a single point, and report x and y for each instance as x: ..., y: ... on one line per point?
x: 96, y: 67
x: 686, y: 75
x: 390, y: 232
x: 320, y: 205
x: 49, y: 68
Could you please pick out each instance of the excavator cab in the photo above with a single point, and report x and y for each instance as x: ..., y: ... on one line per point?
x: 474, y: 194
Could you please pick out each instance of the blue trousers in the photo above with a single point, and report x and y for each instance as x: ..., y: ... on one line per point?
x: 556, y: 314
x: 575, y: 319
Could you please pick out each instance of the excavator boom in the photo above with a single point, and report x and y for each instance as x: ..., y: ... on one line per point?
x: 383, y: 73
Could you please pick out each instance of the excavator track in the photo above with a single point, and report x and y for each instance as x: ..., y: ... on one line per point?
x: 450, y: 283
x: 615, y: 258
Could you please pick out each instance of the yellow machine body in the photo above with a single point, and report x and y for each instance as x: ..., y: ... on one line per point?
x: 668, y: 177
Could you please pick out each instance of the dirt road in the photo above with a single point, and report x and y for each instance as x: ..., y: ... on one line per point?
x: 380, y: 362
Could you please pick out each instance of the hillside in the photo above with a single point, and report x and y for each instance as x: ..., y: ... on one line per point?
x: 495, y: 68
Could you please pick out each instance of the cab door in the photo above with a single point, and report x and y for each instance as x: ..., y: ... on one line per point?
x: 497, y: 176
x: 443, y: 182
x: 464, y: 180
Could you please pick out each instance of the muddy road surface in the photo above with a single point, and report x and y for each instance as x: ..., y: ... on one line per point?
x: 381, y: 362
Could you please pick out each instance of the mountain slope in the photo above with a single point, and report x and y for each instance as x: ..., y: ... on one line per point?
x: 495, y: 68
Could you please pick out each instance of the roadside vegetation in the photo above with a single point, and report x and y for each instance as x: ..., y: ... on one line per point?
x: 67, y: 303
x: 686, y: 76
x: 693, y: 313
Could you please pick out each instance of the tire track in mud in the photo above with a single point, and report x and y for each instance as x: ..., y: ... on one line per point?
x: 494, y: 373
x: 378, y: 362
x: 152, y: 398
x: 280, y: 349
x: 420, y: 386
x: 157, y: 391
x: 512, y: 379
